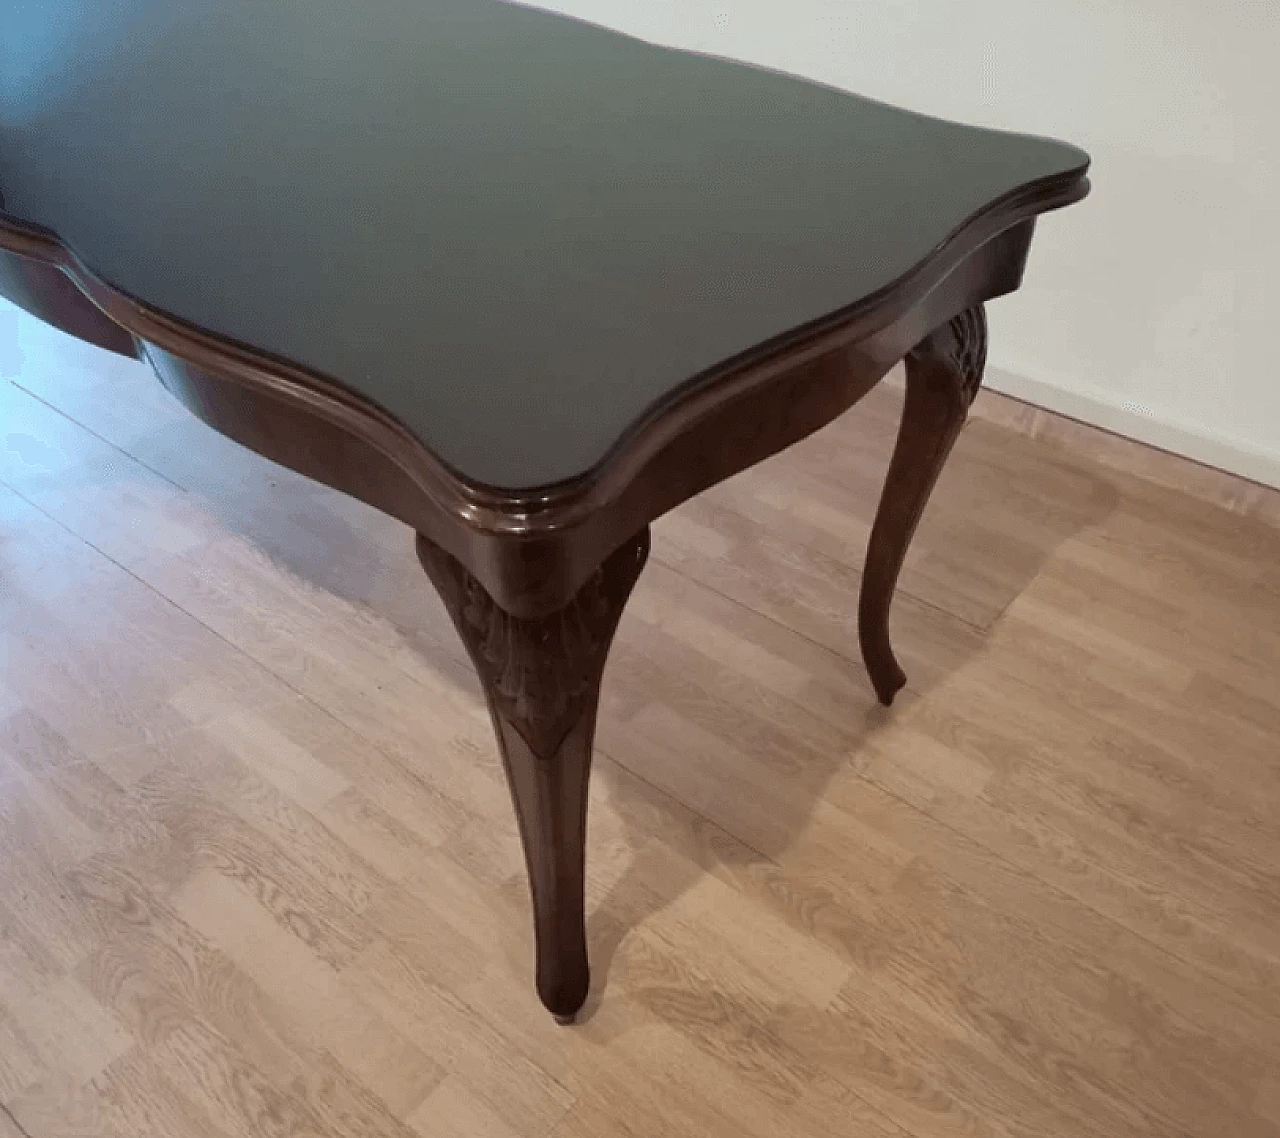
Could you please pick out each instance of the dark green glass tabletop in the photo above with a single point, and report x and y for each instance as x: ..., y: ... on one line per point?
x: 514, y: 232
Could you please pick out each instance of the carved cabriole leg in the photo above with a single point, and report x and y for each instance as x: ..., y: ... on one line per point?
x: 541, y: 679
x: 943, y: 375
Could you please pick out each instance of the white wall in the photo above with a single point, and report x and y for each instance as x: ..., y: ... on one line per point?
x: 1161, y: 290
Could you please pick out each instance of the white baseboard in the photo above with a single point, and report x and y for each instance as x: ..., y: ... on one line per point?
x: 1102, y: 410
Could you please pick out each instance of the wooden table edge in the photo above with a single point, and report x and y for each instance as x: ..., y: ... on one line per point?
x: 314, y: 424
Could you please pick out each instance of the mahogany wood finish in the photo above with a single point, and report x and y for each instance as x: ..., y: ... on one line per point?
x: 535, y: 556
x: 541, y: 679
x: 944, y: 372
x: 43, y: 290
x: 738, y: 415
x: 535, y: 576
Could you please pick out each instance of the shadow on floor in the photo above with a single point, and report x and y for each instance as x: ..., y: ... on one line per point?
x: 670, y: 706
x: 367, y: 559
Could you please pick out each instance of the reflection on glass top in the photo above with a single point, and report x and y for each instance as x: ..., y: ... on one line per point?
x: 512, y: 230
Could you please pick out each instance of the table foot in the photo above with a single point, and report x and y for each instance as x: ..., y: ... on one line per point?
x: 541, y: 679
x: 944, y: 372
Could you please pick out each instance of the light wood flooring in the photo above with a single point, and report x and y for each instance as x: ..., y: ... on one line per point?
x: 259, y: 875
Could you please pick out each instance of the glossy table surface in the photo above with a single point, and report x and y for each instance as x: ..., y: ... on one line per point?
x: 519, y: 234
x: 520, y: 282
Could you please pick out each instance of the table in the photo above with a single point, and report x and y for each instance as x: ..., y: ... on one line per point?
x: 519, y: 281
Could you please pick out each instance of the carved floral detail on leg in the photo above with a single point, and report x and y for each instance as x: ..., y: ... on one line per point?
x: 960, y: 346
x: 542, y: 673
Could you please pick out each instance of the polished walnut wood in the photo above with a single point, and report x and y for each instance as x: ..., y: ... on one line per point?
x: 45, y: 291
x: 748, y: 410
x: 604, y: 278
x: 532, y: 554
x: 944, y: 372
x: 541, y: 679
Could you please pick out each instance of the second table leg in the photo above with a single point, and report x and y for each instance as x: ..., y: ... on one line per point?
x: 944, y: 372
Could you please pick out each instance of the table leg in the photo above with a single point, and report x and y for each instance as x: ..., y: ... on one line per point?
x: 541, y: 679
x: 944, y: 372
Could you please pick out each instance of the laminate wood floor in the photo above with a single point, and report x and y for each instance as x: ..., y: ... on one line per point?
x: 259, y: 874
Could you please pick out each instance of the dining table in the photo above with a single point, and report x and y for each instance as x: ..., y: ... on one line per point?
x: 520, y: 281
